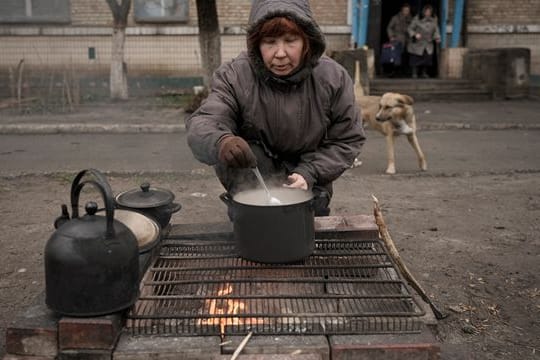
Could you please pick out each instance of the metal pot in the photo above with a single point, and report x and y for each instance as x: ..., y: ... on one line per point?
x: 146, y: 230
x: 273, y: 233
x: 154, y: 202
x: 91, y: 262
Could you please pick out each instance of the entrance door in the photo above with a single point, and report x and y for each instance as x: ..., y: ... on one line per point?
x: 381, y: 11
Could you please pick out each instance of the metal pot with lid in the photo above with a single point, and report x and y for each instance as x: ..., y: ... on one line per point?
x: 155, y: 202
x: 91, y: 262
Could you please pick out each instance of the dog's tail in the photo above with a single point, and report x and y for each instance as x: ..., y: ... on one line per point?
x: 358, y: 90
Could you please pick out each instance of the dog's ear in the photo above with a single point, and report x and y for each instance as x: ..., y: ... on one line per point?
x: 406, y: 99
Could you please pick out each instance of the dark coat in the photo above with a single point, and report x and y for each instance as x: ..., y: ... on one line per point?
x: 398, y: 28
x: 308, y: 118
x: 429, y: 30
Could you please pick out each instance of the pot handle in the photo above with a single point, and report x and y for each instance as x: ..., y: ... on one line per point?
x: 226, y: 198
x: 106, y: 192
x: 174, y: 207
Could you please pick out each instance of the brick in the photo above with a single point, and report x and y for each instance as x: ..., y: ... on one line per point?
x: 283, y: 345
x: 34, y: 332
x: 166, y: 348
x: 421, y: 346
x: 85, y: 355
x: 95, y: 333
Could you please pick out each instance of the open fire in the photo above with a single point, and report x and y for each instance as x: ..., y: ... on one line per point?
x: 226, y: 306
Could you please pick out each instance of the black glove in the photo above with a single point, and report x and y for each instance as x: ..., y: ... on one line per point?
x: 235, y: 152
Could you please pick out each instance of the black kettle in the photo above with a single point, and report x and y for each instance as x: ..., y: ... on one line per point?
x: 91, y: 262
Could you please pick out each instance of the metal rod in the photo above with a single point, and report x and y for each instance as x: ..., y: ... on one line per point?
x: 458, y: 20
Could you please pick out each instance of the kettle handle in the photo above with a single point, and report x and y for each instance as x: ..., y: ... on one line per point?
x: 106, y: 192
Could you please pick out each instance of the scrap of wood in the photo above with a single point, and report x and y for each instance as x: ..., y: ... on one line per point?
x: 394, y: 254
x: 241, y: 346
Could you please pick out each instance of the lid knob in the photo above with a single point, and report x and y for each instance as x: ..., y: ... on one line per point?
x: 91, y: 208
x: 145, y: 187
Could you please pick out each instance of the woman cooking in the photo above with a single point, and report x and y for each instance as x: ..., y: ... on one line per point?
x: 281, y: 106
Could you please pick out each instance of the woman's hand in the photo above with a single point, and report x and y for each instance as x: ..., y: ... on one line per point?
x: 296, y: 181
x: 235, y: 152
x: 418, y: 36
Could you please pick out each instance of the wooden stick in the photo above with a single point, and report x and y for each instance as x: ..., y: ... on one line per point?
x: 241, y: 346
x: 20, y: 69
x: 387, y: 239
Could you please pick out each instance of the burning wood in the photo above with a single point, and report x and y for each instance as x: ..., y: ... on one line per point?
x: 226, y: 306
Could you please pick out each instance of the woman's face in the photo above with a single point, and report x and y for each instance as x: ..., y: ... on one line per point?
x: 427, y: 12
x: 283, y: 54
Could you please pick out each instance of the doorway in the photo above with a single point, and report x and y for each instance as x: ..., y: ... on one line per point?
x: 382, y: 12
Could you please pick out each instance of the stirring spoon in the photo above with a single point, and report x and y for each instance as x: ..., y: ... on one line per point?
x: 271, y: 200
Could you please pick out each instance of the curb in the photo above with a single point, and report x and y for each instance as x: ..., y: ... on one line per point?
x: 21, y: 129
x: 81, y: 128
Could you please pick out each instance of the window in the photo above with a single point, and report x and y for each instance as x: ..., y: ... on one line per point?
x: 161, y: 10
x: 34, y: 11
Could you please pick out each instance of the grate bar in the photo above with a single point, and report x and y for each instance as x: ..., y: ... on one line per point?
x: 201, y: 287
x: 269, y: 297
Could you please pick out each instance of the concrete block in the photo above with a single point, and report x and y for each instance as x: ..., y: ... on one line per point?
x: 421, y: 346
x: 96, y: 333
x: 451, y: 63
x: 294, y: 356
x: 24, y: 357
x: 166, y: 348
x: 352, y: 226
x: 34, y: 332
x: 282, y: 345
x: 84, y: 355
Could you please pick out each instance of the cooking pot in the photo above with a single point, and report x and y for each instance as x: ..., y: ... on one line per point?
x: 91, y: 262
x: 146, y: 230
x: 151, y: 201
x: 273, y: 233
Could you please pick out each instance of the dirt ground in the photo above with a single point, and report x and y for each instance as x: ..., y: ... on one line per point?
x: 471, y: 241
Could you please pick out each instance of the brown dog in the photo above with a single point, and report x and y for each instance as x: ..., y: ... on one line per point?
x: 392, y: 115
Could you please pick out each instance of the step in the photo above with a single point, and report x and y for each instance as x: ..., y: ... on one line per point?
x: 443, y: 95
x: 423, y: 84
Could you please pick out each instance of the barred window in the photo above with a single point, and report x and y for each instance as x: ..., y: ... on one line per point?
x: 161, y: 11
x: 35, y: 11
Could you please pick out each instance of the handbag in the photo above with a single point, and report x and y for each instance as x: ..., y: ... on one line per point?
x: 391, y: 53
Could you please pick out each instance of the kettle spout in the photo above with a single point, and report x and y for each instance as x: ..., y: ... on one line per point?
x: 62, y: 219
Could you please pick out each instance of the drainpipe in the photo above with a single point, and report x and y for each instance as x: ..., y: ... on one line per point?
x: 363, y: 26
x: 444, y: 19
x: 458, y: 20
x: 355, y: 12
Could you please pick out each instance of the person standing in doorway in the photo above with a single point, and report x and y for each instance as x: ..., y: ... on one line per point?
x: 398, y: 32
x: 423, y: 31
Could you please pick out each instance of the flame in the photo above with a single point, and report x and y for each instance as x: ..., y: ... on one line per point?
x: 227, y: 307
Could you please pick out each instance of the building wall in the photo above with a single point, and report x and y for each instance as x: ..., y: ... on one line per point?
x: 230, y: 12
x: 172, y: 49
x: 502, y: 23
x: 155, y: 49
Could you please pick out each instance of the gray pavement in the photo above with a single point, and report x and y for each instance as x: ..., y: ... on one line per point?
x: 135, y: 116
x: 458, y: 138
x: 448, y: 152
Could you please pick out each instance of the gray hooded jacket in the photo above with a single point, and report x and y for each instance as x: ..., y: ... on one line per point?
x: 308, y: 118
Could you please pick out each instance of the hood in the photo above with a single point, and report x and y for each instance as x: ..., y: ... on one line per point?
x: 300, y: 12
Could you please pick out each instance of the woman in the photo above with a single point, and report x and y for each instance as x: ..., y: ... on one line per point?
x: 281, y: 106
x: 423, y: 30
x: 397, y: 31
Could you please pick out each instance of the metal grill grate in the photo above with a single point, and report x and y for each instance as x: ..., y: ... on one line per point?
x: 201, y: 287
